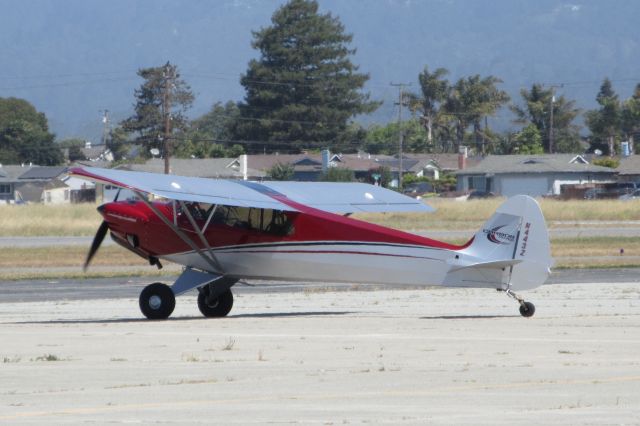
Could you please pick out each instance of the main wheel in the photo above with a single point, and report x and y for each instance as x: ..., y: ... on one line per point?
x: 220, y: 307
x: 527, y: 309
x: 157, y: 301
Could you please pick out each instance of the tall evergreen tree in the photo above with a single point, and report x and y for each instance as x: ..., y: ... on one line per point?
x: 25, y: 136
x: 536, y: 110
x: 606, y: 121
x: 303, y: 89
x: 162, y: 86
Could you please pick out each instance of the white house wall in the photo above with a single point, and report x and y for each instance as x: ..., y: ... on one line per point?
x: 533, y: 185
x: 56, y: 196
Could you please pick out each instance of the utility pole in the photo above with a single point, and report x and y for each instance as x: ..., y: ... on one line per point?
x: 106, y: 127
x: 551, y: 102
x: 400, y: 87
x: 168, y: 75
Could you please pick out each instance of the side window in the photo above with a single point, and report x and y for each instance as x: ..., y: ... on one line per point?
x: 269, y: 221
x: 278, y: 223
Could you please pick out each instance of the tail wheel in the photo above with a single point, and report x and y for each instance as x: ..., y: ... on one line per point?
x: 219, y: 307
x: 527, y: 309
x: 157, y: 301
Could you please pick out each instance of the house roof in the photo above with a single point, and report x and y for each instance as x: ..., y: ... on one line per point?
x: 198, y: 167
x: 264, y: 162
x: 543, y: 163
x: 54, y: 184
x: 445, y: 162
x: 42, y: 173
x: 12, y: 172
x: 629, y: 165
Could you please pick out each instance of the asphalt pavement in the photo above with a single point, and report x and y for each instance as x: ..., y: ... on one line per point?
x: 130, y: 287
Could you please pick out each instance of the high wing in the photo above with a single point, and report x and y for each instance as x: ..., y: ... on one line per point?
x: 327, y: 196
x: 337, y: 197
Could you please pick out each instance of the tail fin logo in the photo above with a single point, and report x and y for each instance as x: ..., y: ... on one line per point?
x: 495, y: 236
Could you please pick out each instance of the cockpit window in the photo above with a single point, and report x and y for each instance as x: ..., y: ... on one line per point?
x: 263, y: 220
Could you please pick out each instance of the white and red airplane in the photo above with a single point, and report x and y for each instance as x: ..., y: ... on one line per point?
x: 223, y: 231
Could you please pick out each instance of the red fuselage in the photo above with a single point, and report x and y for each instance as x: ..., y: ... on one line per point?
x: 137, y: 227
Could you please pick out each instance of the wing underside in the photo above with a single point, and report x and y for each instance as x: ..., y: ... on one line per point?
x: 327, y: 196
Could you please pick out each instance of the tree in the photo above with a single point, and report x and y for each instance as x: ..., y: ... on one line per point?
x: 217, y: 124
x: 118, y: 143
x: 281, y: 171
x: 631, y: 117
x: 434, y: 92
x: 529, y: 141
x: 536, y: 111
x: 380, y: 175
x: 384, y: 139
x: 161, y: 103
x: 470, y: 100
x: 25, y: 136
x: 304, y: 89
x: 338, y: 174
x: 210, y: 134
x: 606, y: 121
x: 74, y: 147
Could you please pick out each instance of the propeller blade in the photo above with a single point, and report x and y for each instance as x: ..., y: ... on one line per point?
x: 95, y: 245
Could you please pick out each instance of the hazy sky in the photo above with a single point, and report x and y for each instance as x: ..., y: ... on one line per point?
x: 74, y: 58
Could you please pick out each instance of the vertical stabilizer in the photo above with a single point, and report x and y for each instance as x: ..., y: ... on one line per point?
x: 512, y: 248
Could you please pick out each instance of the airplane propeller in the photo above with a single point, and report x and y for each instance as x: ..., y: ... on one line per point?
x: 95, y: 245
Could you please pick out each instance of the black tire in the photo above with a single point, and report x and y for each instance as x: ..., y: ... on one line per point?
x: 157, y: 301
x: 219, y: 308
x: 527, y: 309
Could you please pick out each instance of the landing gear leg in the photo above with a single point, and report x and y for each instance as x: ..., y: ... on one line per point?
x: 527, y: 309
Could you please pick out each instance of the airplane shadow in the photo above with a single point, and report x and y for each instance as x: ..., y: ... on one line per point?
x: 455, y: 317
x: 291, y: 314
x: 189, y: 318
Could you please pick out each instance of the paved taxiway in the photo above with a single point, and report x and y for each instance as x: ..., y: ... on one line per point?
x: 314, y: 356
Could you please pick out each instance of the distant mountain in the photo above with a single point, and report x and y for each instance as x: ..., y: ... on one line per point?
x: 74, y: 58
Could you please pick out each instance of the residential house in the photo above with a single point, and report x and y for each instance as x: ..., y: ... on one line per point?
x: 26, y: 183
x: 214, y: 168
x: 96, y: 153
x: 55, y: 192
x: 433, y: 165
x: 629, y: 169
x: 8, y: 180
x: 534, y: 175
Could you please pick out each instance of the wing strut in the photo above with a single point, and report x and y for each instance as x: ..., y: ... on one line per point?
x: 211, y: 261
x: 193, y: 223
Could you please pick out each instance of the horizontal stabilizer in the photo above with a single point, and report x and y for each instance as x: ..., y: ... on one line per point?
x: 495, y: 264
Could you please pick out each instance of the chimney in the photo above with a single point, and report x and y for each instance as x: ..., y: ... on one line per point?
x: 462, y: 158
x: 243, y: 166
x: 326, y: 155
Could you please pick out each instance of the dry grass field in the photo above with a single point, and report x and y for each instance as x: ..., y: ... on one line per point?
x: 39, y: 220
x: 451, y: 214
x: 82, y: 219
